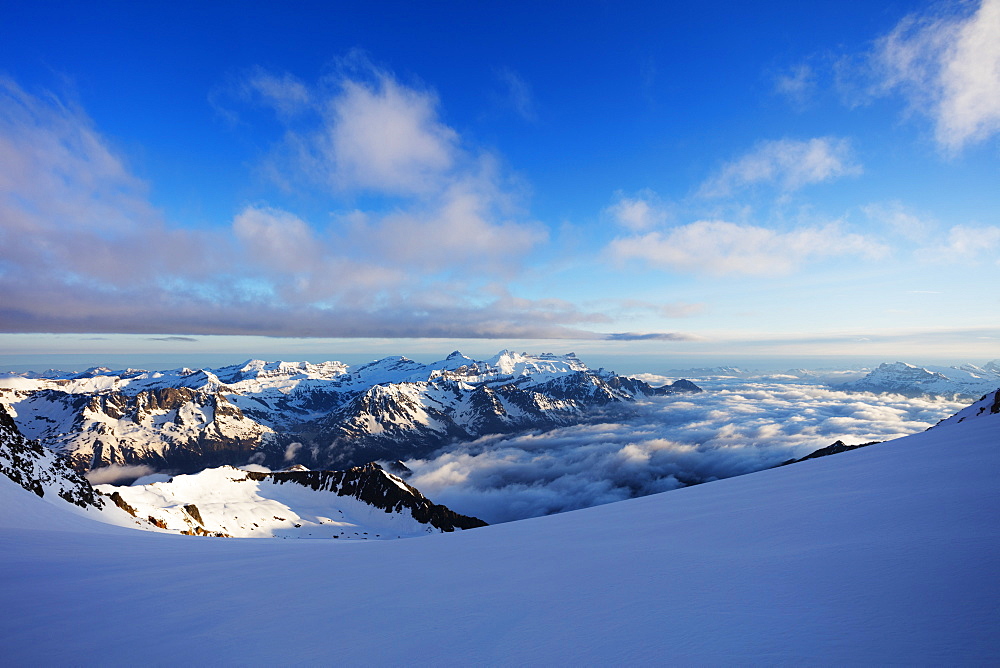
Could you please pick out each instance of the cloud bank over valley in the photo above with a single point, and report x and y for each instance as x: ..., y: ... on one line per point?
x: 666, y: 443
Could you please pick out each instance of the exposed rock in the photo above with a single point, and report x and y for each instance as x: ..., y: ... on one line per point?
x: 195, y: 514
x: 38, y: 469
x: 373, y: 485
x: 833, y: 449
x: 116, y: 497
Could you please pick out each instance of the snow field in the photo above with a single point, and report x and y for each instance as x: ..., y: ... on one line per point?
x: 886, y: 554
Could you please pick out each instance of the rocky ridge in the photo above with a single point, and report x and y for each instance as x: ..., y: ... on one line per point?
x: 324, y: 416
x: 359, y: 503
x: 364, y: 502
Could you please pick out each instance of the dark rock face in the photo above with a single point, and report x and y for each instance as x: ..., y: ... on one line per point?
x: 117, y: 499
x: 372, y: 485
x: 195, y: 514
x: 38, y: 469
x: 833, y: 449
x: 192, y: 444
x: 682, y: 385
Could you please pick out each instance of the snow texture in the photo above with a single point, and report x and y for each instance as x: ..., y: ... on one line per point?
x: 883, y: 555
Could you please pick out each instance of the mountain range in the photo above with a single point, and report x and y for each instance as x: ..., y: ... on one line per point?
x: 362, y: 503
x: 880, y: 555
x: 322, y: 416
x: 967, y: 381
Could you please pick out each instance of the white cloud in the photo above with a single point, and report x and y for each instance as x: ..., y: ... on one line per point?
x: 277, y: 238
x: 453, y: 208
x: 966, y: 243
x: 901, y: 220
x: 292, y: 450
x: 285, y: 93
x: 787, y: 164
x: 118, y: 475
x: 81, y: 248
x: 797, y: 84
x: 737, y: 428
x: 461, y: 228
x: 723, y: 248
x: 384, y: 137
x: 70, y: 206
x: 948, y: 67
x: 642, y: 212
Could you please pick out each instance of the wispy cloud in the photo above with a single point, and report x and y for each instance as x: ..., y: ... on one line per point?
x: 117, y: 474
x: 517, y: 94
x: 797, y: 84
x: 185, y: 339
x: 651, y: 336
x: 901, y: 220
x: 640, y: 212
x: 285, y: 93
x: 787, y: 164
x: 723, y: 248
x: 675, y: 309
x: 967, y: 243
x: 945, y: 62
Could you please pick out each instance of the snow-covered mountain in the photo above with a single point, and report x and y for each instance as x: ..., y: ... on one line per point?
x: 361, y: 503
x: 39, y: 470
x: 324, y: 416
x: 966, y: 381
x: 987, y: 406
x: 883, y: 555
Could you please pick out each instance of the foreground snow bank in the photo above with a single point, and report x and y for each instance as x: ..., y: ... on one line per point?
x: 887, y: 554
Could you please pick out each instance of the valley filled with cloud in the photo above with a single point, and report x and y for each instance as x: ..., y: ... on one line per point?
x: 663, y: 443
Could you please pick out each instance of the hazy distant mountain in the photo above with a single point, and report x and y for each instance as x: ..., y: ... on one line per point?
x: 967, y: 381
x: 325, y: 416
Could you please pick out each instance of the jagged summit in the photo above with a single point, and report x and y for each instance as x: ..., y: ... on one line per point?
x: 325, y: 415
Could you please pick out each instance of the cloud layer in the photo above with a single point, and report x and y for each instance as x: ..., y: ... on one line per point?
x: 84, y: 251
x: 664, y: 444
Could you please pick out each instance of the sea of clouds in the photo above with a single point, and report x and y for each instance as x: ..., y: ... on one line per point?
x: 735, y: 427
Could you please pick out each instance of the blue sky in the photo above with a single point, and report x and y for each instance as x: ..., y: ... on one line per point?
x: 654, y: 180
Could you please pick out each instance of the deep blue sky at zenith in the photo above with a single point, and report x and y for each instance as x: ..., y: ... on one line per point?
x: 783, y: 179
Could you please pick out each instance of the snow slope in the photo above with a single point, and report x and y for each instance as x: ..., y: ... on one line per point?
x: 887, y: 554
x: 363, y: 503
